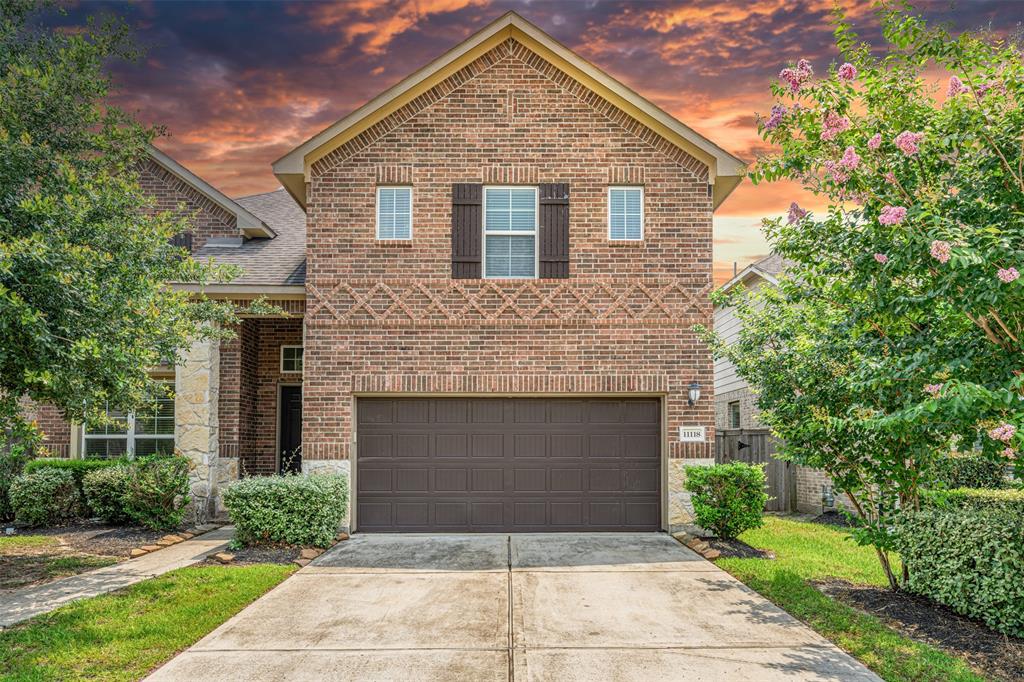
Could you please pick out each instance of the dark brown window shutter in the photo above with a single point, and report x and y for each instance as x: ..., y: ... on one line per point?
x: 467, y: 230
x: 554, y: 230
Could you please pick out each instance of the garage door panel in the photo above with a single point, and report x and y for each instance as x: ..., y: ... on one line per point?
x: 494, y: 465
x: 487, y: 445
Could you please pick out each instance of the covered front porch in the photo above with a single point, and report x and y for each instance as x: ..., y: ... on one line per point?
x: 238, y: 405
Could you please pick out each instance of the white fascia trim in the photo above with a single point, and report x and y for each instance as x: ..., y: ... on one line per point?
x: 249, y: 224
x: 293, y: 163
x: 249, y: 290
x: 745, y: 274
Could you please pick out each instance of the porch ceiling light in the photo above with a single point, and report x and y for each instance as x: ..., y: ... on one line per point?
x: 694, y: 392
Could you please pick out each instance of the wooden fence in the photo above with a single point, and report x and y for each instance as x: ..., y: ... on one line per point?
x: 756, y: 446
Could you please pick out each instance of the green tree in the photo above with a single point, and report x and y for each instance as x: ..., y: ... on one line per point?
x: 84, y: 260
x: 898, y: 333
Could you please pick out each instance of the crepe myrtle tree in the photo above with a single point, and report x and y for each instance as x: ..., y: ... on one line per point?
x: 84, y: 305
x: 897, y: 335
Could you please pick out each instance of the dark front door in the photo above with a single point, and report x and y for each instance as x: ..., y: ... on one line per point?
x: 291, y: 429
x: 507, y: 465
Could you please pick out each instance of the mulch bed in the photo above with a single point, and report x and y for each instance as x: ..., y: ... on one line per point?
x: 258, y: 555
x: 737, y: 549
x: 834, y: 518
x: 95, y: 538
x: 76, y: 548
x: 994, y: 655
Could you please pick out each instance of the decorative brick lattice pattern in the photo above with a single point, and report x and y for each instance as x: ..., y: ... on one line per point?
x: 445, y: 302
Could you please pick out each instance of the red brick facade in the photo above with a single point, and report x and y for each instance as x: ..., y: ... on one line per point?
x: 387, y: 317
x: 250, y: 380
x: 170, y: 193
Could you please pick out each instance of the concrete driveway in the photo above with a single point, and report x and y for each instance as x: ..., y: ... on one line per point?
x: 501, y: 607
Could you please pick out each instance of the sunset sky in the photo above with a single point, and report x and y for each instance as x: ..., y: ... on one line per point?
x: 239, y: 84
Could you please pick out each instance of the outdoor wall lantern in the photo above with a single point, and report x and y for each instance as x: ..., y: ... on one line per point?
x: 694, y: 392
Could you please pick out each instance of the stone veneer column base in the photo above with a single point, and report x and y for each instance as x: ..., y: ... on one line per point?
x: 332, y: 466
x: 196, y: 428
x: 680, y: 508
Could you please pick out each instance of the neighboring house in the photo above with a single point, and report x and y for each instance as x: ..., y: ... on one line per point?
x: 493, y: 270
x: 736, y: 403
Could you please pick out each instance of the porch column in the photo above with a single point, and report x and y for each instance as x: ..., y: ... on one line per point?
x: 197, y: 392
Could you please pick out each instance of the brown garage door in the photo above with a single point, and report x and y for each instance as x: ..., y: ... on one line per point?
x: 500, y: 465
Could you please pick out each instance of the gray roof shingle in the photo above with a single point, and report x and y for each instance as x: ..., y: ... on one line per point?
x: 273, y: 262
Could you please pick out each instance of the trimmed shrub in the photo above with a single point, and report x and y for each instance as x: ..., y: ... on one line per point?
x: 156, y: 491
x: 78, y: 468
x: 970, y: 471
x: 296, y: 510
x: 965, y: 549
x: 727, y: 498
x: 12, y: 465
x: 45, y: 497
x: 105, y: 492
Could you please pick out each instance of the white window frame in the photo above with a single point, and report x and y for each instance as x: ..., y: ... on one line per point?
x: 130, y: 436
x: 376, y: 213
x: 514, y: 233
x: 642, y: 213
x: 293, y: 371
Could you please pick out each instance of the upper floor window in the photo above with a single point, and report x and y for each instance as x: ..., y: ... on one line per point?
x: 626, y: 213
x: 394, y: 213
x: 291, y: 359
x: 150, y: 431
x: 510, y: 232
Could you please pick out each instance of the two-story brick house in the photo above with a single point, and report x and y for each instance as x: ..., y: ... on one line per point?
x: 504, y: 256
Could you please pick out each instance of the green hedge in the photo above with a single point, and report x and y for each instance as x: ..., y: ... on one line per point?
x: 295, y: 510
x: 965, y: 549
x: 45, y: 497
x: 78, y: 468
x: 106, y: 490
x: 156, y: 491
x: 971, y: 471
x: 727, y: 498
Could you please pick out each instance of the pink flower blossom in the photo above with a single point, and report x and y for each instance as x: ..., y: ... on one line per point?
x: 847, y: 72
x: 1009, y: 453
x: 907, y: 142
x: 795, y: 213
x: 1003, y: 432
x: 881, y: 258
x: 875, y: 142
x: 1007, y: 275
x: 775, y: 118
x: 890, y: 177
x: 940, y: 251
x: 836, y: 172
x: 892, y: 215
x: 850, y: 159
x: 833, y: 125
x: 933, y: 390
x: 798, y: 77
x: 956, y: 87
x: 991, y: 86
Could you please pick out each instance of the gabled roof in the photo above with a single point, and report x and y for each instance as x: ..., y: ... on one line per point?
x: 248, y: 224
x: 725, y: 170
x: 768, y: 268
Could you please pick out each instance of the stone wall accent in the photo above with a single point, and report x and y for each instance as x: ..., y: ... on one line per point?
x: 379, y: 316
x: 197, y: 393
x: 680, y: 508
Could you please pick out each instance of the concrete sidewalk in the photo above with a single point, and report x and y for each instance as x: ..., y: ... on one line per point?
x: 21, y: 604
x: 610, y: 607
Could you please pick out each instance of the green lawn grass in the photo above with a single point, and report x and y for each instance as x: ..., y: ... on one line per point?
x: 123, y: 635
x: 807, y: 552
x: 9, y: 542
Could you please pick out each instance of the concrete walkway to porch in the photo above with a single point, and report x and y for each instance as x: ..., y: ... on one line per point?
x: 22, y: 604
x: 613, y: 607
